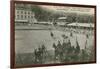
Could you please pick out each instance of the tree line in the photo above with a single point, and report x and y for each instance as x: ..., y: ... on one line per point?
x: 45, y: 15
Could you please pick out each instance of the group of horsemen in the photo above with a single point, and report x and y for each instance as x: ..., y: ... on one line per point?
x: 62, y: 51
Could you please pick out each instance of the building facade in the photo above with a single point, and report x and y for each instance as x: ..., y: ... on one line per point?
x: 24, y: 14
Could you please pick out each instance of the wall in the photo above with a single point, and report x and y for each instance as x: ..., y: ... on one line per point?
x: 5, y: 33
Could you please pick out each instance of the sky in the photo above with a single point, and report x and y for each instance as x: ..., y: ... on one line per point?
x: 69, y: 9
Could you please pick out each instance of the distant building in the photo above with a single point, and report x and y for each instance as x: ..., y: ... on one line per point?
x: 24, y: 14
x: 62, y: 21
x: 81, y: 25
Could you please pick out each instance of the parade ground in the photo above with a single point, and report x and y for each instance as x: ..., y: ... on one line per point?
x: 29, y: 38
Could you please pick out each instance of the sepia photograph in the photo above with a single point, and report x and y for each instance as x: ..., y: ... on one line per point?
x: 53, y: 34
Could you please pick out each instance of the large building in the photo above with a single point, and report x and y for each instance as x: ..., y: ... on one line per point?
x: 24, y: 14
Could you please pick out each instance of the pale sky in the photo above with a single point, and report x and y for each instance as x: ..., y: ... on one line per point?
x: 69, y: 9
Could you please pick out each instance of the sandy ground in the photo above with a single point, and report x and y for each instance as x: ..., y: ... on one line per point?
x: 28, y: 38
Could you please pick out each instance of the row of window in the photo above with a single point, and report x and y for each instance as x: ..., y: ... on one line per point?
x: 23, y: 17
x: 23, y: 12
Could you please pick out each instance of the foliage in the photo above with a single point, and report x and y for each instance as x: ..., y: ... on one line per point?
x: 46, y: 15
